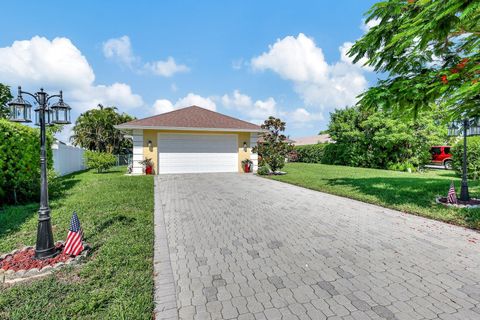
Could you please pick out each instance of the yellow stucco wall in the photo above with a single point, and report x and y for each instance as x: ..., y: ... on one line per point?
x: 151, y: 135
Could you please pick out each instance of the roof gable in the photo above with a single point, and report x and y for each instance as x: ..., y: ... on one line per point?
x: 191, y: 117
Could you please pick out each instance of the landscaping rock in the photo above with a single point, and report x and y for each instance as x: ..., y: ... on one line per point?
x: 11, y: 264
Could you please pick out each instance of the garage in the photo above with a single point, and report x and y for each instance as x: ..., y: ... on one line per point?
x: 197, y: 153
x: 191, y: 140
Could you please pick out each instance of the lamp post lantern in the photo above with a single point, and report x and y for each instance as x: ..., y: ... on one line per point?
x: 20, y: 111
x: 470, y: 127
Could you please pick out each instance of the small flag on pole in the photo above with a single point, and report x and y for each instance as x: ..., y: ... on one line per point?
x: 73, y: 245
x: 452, y: 196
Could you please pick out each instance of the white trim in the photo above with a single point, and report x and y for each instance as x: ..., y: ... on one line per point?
x: 137, y: 138
x: 126, y: 127
x: 254, y: 156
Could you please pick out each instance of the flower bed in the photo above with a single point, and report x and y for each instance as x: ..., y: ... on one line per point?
x: 471, y: 204
x: 21, y: 265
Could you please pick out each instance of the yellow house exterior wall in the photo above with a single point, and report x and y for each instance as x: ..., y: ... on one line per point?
x: 151, y: 135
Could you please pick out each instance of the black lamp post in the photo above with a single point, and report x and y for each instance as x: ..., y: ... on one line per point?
x: 470, y: 127
x: 58, y: 113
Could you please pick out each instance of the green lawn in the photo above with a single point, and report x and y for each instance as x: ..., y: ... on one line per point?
x: 116, y: 213
x: 409, y: 192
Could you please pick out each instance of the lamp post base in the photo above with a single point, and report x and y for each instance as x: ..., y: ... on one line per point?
x: 45, y: 247
x: 464, y: 194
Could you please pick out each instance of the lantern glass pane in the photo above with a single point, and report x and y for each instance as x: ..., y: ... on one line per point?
x: 20, y: 112
x: 13, y: 112
x: 37, y: 117
x: 29, y: 113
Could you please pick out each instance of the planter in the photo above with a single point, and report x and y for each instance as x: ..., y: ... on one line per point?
x: 148, y: 170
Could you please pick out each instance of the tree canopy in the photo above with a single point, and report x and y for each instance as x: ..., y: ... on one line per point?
x: 94, y: 130
x: 5, y: 96
x: 375, y: 139
x: 429, y: 50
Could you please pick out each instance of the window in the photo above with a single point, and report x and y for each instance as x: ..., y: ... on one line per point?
x: 435, y: 150
x: 446, y: 150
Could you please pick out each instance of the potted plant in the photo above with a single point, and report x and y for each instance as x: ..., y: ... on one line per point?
x: 247, y: 165
x: 148, y: 163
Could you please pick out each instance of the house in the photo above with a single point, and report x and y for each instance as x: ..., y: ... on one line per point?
x: 191, y: 140
x: 321, y: 138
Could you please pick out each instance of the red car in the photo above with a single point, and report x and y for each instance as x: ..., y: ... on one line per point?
x: 441, y: 156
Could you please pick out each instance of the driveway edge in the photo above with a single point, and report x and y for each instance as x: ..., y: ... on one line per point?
x: 165, y: 298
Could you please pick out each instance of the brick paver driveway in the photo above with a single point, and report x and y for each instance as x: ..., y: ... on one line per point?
x: 245, y: 247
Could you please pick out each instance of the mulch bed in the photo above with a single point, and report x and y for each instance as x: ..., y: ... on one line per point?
x: 25, y: 260
x: 472, y: 202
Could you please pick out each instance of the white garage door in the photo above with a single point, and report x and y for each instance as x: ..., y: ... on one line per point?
x: 189, y: 153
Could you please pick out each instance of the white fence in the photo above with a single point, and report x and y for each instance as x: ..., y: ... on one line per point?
x: 67, y: 159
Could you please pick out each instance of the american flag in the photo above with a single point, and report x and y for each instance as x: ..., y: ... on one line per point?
x: 452, y: 196
x: 73, y: 245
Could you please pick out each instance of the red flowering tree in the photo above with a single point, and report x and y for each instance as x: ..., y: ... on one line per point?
x: 430, y: 53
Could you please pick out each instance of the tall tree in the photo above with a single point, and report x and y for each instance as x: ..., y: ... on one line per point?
x: 5, y: 96
x: 429, y: 50
x: 94, y: 130
x: 273, y: 147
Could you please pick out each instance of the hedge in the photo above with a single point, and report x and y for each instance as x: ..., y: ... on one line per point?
x: 20, y: 162
x: 100, y: 161
x: 312, y: 153
x: 473, y: 157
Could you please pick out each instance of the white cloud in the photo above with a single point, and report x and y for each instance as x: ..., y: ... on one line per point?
x: 320, y: 85
x: 260, y: 109
x: 162, y: 106
x: 40, y: 61
x: 191, y: 99
x: 366, y: 26
x: 344, y: 48
x: 166, y: 68
x: 120, y: 49
x: 58, y: 64
x: 297, y: 59
x: 236, y: 100
x: 302, y: 118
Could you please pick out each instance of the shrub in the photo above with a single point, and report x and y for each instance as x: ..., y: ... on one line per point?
x: 292, y: 156
x: 312, y: 153
x: 263, y: 170
x: 402, y: 166
x: 381, y: 139
x: 20, y: 162
x: 473, y: 157
x: 101, y: 161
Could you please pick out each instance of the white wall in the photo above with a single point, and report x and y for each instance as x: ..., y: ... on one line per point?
x: 67, y: 159
x: 137, y: 135
x: 254, y: 156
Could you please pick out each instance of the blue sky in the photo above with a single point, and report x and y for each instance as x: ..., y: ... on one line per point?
x: 247, y: 59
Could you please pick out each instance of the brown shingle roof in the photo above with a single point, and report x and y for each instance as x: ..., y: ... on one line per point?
x: 191, y: 117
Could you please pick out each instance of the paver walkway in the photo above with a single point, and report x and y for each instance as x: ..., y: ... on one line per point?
x: 244, y: 247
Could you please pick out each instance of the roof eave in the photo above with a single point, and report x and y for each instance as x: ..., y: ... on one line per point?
x: 136, y: 127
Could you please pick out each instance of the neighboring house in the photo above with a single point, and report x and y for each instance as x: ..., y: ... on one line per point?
x: 321, y: 138
x: 192, y: 140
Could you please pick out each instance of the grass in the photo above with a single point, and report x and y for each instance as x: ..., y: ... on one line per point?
x: 408, y: 192
x: 116, y: 213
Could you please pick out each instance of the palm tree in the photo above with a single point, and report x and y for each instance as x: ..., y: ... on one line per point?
x: 94, y: 130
